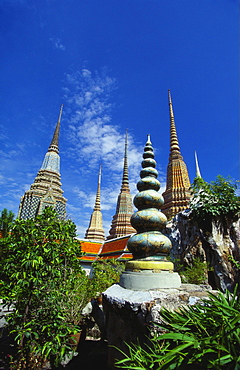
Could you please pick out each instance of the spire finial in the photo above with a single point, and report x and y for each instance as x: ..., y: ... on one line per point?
x: 100, y: 174
x: 198, y: 173
x: 125, y: 165
x: 174, y: 145
x: 54, y: 143
x: 97, y: 206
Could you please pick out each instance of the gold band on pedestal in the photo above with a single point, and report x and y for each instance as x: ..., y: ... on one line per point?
x: 149, y: 265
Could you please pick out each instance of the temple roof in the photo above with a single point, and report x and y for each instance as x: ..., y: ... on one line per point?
x: 91, y: 250
x: 114, y: 248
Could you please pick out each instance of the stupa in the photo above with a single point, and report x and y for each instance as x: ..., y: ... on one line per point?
x: 177, y: 193
x: 149, y: 268
x: 95, y: 229
x: 46, y: 190
x: 121, y: 224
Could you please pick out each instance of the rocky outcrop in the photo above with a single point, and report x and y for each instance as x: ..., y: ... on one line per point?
x: 213, y: 241
x: 131, y: 315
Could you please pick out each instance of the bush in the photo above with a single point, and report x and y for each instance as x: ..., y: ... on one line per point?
x: 195, y: 274
x: 215, y: 199
x: 106, y: 273
x: 204, y: 336
x: 40, y: 269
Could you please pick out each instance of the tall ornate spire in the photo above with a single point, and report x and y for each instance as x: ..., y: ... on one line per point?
x: 95, y: 229
x: 198, y: 173
x: 46, y: 189
x: 121, y: 220
x: 177, y: 193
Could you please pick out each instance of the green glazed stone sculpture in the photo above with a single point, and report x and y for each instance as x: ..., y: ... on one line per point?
x: 149, y: 243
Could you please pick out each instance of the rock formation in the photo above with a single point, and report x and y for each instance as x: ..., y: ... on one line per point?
x: 216, y: 242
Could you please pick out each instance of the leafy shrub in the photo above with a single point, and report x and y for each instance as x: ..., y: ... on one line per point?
x: 195, y: 274
x: 40, y: 268
x: 106, y: 273
x: 204, y: 336
x: 217, y: 198
x: 6, y: 219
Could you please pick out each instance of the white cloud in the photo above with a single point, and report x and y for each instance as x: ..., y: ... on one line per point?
x: 57, y: 43
x: 93, y: 139
x: 91, y: 131
x: 9, y: 154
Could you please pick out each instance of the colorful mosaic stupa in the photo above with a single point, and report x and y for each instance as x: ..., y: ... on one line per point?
x: 149, y: 268
x: 46, y: 189
x: 121, y: 224
x: 177, y: 193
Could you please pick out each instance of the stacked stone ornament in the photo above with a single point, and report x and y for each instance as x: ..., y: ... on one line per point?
x: 149, y: 268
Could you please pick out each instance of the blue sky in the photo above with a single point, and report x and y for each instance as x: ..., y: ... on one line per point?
x: 111, y: 63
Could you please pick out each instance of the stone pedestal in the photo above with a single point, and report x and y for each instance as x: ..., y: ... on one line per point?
x: 149, y: 274
x: 130, y: 313
x: 144, y: 279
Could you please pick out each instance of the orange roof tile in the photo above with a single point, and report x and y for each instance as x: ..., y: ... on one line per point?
x: 90, y: 247
x: 114, y: 245
x: 115, y: 248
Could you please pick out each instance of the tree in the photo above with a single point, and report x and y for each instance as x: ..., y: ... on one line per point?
x: 6, y: 220
x: 217, y: 198
x: 41, y: 266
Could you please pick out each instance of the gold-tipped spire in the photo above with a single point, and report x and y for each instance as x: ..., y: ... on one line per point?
x: 54, y: 143
x: 174, y: 145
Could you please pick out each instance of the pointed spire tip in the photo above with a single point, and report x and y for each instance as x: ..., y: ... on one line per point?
x: 169, y: 96
x: 149, y: 139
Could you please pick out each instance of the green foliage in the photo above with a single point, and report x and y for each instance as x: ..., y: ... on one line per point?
x: 217, y: 198
x: 204, y: 336
x: 195, y: 274
x: 106, y: 273
x: 41, y: 269
x: 77, y: 293
x: 6, y: 220
x: 235, y: 263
